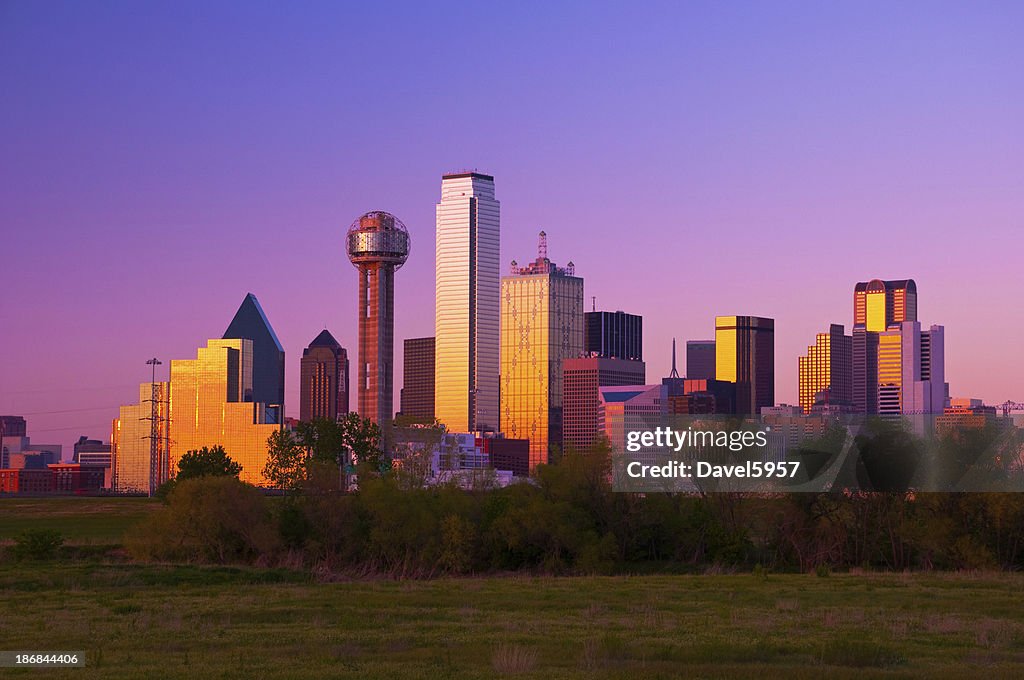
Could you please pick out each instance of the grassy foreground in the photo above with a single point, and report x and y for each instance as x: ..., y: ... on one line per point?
x: 183, y: 622
x: 81, y: 520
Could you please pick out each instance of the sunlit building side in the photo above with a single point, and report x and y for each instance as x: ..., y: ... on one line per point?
x: 826, y: 373
x: 134, y: 469
x: 467, y: 307
x: 541, y: 324
x: 208, y: 407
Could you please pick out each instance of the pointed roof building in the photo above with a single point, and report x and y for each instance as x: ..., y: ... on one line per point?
x: 251, y: 323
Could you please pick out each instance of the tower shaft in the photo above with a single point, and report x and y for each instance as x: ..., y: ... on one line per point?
x: 376, y: 340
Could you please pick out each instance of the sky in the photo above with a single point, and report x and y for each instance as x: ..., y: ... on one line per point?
x: 158, y: 161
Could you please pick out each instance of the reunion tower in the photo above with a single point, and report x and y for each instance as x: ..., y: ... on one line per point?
x: 377, y: 245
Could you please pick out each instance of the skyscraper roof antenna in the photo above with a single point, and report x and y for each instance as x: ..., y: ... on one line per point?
x: 594, y: 298
x: 674, y: 373
x: 542, y: 246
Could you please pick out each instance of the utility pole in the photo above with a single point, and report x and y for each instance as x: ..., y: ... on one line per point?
x: 156, y: 462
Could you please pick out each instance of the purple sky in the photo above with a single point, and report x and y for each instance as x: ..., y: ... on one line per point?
x: 159, y: 161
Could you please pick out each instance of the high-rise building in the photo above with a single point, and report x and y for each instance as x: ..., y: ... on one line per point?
x: 418, y: 379
x: 467, y: 307
x: 267, y: 356
x: 700, y: 359
x: 135, y: 468
x: 616, y: 335
x: 541, y: 324
x: 377, y: 244
x: 826, y: 373
x: 324, y: 379
x: 581, y: 400
x: 879, y: 304
x: 911, y: 370
x: 208, y: 407
x: 865, y: 371
x: 745, y: 355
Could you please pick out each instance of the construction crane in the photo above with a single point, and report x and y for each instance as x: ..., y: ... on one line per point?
x: 1007, y: 406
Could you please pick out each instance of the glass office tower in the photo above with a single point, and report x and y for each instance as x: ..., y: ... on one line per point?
x: 267, y: 354
x: 541, y: 324
x: 467, y: 309
x: 745, y: 356
x: 826, y: 373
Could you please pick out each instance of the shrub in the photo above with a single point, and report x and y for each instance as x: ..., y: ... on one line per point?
x: 37, y: 544
x: 208, y: 519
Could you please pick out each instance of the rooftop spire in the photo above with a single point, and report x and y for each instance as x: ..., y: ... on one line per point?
x: 674, y: 373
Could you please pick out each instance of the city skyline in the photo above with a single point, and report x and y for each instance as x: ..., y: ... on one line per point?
x: 901, y: 163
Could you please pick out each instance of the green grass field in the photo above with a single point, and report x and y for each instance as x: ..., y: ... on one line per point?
x: 183, y: 622
x: 83, y: 521
x: 146, y: 621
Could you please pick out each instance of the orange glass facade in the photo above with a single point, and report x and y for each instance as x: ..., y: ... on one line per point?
x: 208, y: 407
x: 541, y: 324
x: 825, y: 374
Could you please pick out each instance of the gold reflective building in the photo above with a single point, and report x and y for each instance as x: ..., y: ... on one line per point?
x: 826, y: 373
x: 209, y: 407
x: 134, y: 467
x: 879, y: 304
x: 541, y: 324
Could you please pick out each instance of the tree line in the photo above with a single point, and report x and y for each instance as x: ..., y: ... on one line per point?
x: 565, y: 520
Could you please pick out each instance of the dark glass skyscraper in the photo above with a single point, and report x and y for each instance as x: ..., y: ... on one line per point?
x: 745, y: 355
x: 418, y: 379
x: 700, y: 359
x: 615, y: 335
x: 267, y: 355
x: 324, y: 379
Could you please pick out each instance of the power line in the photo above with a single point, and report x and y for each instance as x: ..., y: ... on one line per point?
x: 70, y: 410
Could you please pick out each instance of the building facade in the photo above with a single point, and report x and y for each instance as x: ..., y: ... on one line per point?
x: 911, y: 370
x: 581, y: 399
x: 140, y: 442
x: 467, y: 308
x: 632, y: 408
x: 541, y: 324
x: 251, y: 323
x: 417, y: 397
x: 615, y: 335
x: 745, y: 356
x: 208, y: 407
x: 323, y: 382
x: 700, y: 359
x: 879, y: 304
x: 825, y: 375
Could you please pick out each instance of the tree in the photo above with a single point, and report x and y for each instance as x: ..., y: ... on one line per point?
x: 362, y: 437
x: 286, y: 460
x: 207, y: 462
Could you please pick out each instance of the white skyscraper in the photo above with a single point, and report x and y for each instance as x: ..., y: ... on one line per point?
x: 467, y: 314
